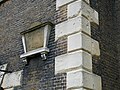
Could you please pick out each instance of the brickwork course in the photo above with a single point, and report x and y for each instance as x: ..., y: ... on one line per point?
x: 17, y: 16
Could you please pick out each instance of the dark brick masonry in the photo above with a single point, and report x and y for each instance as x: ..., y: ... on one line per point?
x: 16, y: 16
x: 106, y: 65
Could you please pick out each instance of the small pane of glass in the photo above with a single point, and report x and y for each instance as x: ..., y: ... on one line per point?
x: 34, y: 39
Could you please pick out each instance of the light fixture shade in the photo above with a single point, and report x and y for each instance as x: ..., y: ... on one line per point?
x: 35, y: 40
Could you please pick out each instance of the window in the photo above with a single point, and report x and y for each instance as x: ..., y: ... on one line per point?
x: 35, y: 40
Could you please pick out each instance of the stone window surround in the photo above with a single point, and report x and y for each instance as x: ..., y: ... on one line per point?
x: 43, y: 50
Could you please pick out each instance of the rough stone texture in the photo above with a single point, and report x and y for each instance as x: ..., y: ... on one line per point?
x: 72, y: 61
x: 79, y: 78
x: 79, y: 8
x: 60, y: 3
x: 75, y: 43
x: 71, y: 26
x: 95, y: 48
x: 12, y: 79
x: 79, y: 41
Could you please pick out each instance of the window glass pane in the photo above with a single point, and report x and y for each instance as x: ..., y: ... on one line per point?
x: 34, y: 39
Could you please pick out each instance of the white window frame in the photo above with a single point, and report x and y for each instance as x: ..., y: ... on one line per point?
x: 43, y: 50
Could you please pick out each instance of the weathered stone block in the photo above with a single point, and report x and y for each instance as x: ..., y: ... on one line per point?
x: 12, y: 79
x: 71, y: 26
x: 60, y: 3
x: 79, y: 8
x: 70, y: 61
x: 97, y: 82
x: 95, y: 48
x: 79, y: 41
x: 79, y: 78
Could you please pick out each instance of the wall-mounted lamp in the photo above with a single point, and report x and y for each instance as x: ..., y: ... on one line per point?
x: 35, y: 40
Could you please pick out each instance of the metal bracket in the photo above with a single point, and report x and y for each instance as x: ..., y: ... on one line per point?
x: 44, y: 55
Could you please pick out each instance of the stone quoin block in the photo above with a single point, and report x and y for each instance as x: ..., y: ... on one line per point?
x: 60, y: 3
x: 71, y: 61
x: 12, y: 79
x: 79, y: 8
x: 95, y: 48
x: 71, y: 26
x: 79, y: 79
x: 79, y: 41
x: 97, y: 82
